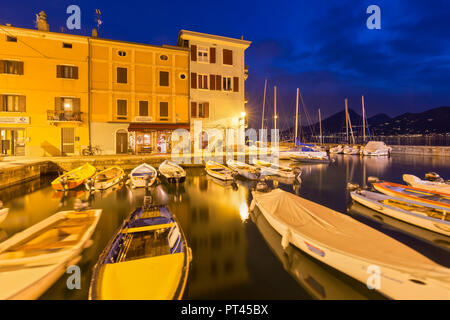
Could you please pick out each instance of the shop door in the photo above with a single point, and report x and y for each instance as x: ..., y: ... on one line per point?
x: 67, y: 141
x: 121, y: 142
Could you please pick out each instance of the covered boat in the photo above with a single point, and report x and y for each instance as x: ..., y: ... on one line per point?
x: 74, y: 178
x: 433, y: 186
x: 105, y: 179
x: 142, y: 175
x: 245, y: 170
x: 367, y: 255
x: 433, y: 218
x: 337, y: 150
x: 148, y: 259
x: 411, y: 193
x: 273, y: 169
x: 172, y: 172
x: 351, y: 150
x: 376, y: 148
x: 219, y: 171
x: 32, y: 260
x: 310, y: 159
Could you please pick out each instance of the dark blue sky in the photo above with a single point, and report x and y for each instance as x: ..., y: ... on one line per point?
x: 322, y: 47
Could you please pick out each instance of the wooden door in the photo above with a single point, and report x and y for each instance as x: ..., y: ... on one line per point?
x: 121, y: 142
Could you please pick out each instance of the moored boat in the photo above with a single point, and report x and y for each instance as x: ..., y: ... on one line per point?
x: 219, y: 171
x: 433, y: 186
x: 429, y: 217
x: 269, y: 168
x: 416, y: 194
x: 148, y: 259
x: 105, y: 179
x: 172, y: 172
x: 143, y: 175
x: 310, y: 159
x: 245, y: 170
x: 73, y: 178
x: 351, y: 150
x: 3, y: 213
x: 32, y: 260
x: 337, y: 150
x: 353, y: 248
x: 376, y: 148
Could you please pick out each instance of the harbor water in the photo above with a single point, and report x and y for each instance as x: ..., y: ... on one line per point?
x: 236, y: 254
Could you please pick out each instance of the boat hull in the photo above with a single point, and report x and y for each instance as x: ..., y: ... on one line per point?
x: 3, y: 214
x: 80, y: 175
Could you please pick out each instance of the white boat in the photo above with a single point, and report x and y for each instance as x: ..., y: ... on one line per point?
x: 3, y: 213
x: 429, y: 217
x: 363, y: 253
x: 32, y: 260
x: 219, y: 171
x: 245, y: 170
x: 351, y: 150
x: 376, y: 148
x: 416, y: 182
x: 273, y: 169
x: 310, y: 159
x: 337, y: 150
x: 105, y: 179
x: 141, y: 173
x: 172, y: 172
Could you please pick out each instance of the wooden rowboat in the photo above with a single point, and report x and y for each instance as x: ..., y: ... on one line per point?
x: 219, y: 171
x: 74, y: 178
x: 363, y: 253
x: 433, y: 186
x: 245, y: 170
x: 141, y: 174
x: 105, y: 179
x: 32, y: 260
x: 429, y: 217
x: 411, y: 193
x: 172, y: 172
x: 148, y: 259
x: 3, y: 213
x: 269, y: 168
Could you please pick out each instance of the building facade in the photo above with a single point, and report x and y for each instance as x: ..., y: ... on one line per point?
x: 217, y: 83
x: 43, y: 92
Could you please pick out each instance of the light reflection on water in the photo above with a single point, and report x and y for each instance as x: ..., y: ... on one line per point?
x: 237, y: 255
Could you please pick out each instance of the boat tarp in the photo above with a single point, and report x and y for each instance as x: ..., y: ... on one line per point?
x: 373, y: 146
x: 342, y: 233
x: 154, y: 278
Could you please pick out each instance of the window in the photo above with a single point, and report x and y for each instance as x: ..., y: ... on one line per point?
x: 203, y: 110
x: 67, y: 72
x: 12, y: 103
x: 67, y: 45
x: 11, y: 39
x: 122, y: 53
x: 122, y: 75
x: 67, y: 104
x: 164, y: 57
x: 226, y: 83
x: 202, y: 54
x: 121, y: 109
x: 11, y: 67
x: 227, y: 57
x: 203, y: 81
x: 182, y: 76
x: 163, y: 78
x: 164, y: 111
x: 143, y: 108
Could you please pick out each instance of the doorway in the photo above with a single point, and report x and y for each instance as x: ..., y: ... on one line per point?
x: 121, y: 142
x: 67, y: 141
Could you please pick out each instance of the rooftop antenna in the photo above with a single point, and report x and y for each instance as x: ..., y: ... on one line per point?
x: 98, y: 20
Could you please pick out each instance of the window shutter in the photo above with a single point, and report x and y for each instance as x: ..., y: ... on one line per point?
x: 193, y: 80
x: 193, y: 109
x: 76, y: 105
x: 20, y: 68
x: 206, y: 111
x: 58, y: 104
x: 212, y: 54
x: 193, y: 52
x: 212, y: 82
x: 236, y: 84
x: 58, y: 71
x: 1, y: 97
x: 75, y: 72
x: 218, y: 82
x: 22, y: 103
x: 227, y: 57
x: 2, y: 66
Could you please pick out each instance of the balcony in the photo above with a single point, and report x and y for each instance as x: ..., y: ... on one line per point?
x: 245, y: 72
x: 61, y: 116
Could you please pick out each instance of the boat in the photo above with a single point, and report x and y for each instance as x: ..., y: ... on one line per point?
x: 363, y: 253
x: 219, y: 171
x: 31, y: 261
x: 376, y: 148
x: 419, y: 195
x: 410, y: 230
x: 148, y: 259
x: 310, y: 159
x: 273, y: 169
x: 337, y: 150
x: 245, y: 170
x: 351, y: 150
x: 172, y: 172
x: 319, y: 280
x: 3, y: 213
x: 105, y: 179
x: 429, y: 217
x: 434, y: 186
x: 142, y: 175
x: 73, y: 178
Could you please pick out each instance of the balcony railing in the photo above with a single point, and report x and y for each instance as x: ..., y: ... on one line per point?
x: 64, y: 116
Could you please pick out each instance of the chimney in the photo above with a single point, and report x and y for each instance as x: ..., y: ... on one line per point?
x: 94, y: 33
x: 41, y: 21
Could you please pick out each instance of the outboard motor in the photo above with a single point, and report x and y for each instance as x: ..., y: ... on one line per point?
x: 147, y: 181
x: 63, y: 181
x: 352, y: 186
x: 258, y: 172
x: 234, y: 174
x: 90, y: 184
x: 373, y: 179
x: 434, y: 177
x: 148, y: 200
x: 262, y: 186
x: 80, y: 205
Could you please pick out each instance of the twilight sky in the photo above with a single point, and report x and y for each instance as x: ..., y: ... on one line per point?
x: 322, y: 47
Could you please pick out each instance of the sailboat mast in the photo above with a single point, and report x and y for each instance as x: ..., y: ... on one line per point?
x: 275, y: 108
x: 320, y: 124
x: 296, y: 119
x: 364, y: 120
x: 346, y: 119
x: 264, y: 104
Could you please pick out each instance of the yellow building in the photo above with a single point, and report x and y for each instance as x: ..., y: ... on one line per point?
x: 139, y: 95
x: 43, y: 91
